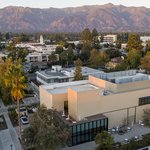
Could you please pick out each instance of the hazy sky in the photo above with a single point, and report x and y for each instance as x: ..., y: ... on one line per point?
x: 70, y: 3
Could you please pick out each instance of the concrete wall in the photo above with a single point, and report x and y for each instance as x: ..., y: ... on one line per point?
x: 45, y: 98
x: 58, y: 101
x: 133, y: 86
x: 102, y: 83
x: 72, y: 103
x: 114, y: 106
x: 116, y: 88
x: 55, y: 101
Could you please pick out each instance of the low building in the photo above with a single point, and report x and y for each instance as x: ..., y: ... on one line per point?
x: 111, y: 38
x: 114, y: 62
x: 36, y: 57
x: 103, y: 101
x: 124, y: 45
x: 144, y: 39
x: 58, y: 74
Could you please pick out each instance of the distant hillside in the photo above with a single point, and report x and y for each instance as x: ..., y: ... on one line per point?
x: 107, y: 17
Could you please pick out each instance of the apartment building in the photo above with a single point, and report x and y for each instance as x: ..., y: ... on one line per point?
x: 101, y: 102
x: 111, y: 38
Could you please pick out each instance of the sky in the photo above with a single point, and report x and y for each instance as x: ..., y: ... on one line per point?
x: 70, y: 3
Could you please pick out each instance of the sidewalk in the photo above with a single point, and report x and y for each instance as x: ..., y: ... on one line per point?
x: 9, y: 136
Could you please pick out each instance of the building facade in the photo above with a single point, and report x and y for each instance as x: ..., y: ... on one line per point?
x: 106, y: 97
x: 58, y: 74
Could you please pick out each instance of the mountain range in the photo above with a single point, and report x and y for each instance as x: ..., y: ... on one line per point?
x: 105, y: 18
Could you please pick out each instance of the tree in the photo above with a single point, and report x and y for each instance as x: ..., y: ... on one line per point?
x: 59, y: 50
x: 78, y: 70
x: 145, y: 62
x: 46, y: 131
x: 134, y: 42
x: 86, y: 37
x: 146, y: 117
x: 103, y: 58
x: 70, y: 54
x: 4, y: 91
x: 148, y: 45
x: 52, y: 57
x: 63, y: 58
x: 18, y: 53
x: 95, y: 40
x: 133, y: 58
x: 94, y: 60
x: 85, y: 52
x: 15, y: 79
x: 104, y: 141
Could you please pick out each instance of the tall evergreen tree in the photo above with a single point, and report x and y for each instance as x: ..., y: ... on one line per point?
x: 95, y: 40
x: 78, y: 70
x: 70, y: 54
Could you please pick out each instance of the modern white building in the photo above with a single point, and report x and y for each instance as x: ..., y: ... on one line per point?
x: 36, y: 57
x: 144, y: 38
x: 110, y: 38
x: 103, y: 101
x: 58, y: 74
x: 39, y: 52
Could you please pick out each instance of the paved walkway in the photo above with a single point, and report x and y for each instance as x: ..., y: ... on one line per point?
x: 136, y: 131
x: 9, y: 136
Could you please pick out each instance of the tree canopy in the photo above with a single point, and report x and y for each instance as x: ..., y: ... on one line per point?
x: 104, y: 141
x: 134, y: 42
x: 46, y: 131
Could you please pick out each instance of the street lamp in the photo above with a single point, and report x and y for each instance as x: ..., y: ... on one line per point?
x: 11, y: 146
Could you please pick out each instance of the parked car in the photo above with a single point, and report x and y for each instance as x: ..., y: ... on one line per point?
x: 23, y: 111
x: 24, y: 120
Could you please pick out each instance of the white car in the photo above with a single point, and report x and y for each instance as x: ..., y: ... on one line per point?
x: 23, y: 111
x: 24, y: 120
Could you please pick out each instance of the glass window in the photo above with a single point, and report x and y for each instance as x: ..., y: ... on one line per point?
x: 91, y: 125
x: 86, y: 126
x: 94, y: 124
x: 102, y: 122
x: 98, y: 123
x: 82, y: 127
x: 78, y: 128
x: 74, y: 129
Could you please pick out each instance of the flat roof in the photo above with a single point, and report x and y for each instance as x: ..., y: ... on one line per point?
x: 67, y: 72
x: 84, y: 87
x: 77, y: 88
x: 71, y: 121
x: 122, y: 77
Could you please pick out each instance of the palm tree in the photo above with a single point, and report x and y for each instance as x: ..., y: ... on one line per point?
x: 15, y: 79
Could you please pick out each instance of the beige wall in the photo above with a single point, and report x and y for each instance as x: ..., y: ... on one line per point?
x: 55, y: 101
x: 92, y: 103
x: 58, y: 101
x: 102, y: 83
x: 116, y: 88
x: 72, y: 103
x: 133, y: 86
x: 45, y: 98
